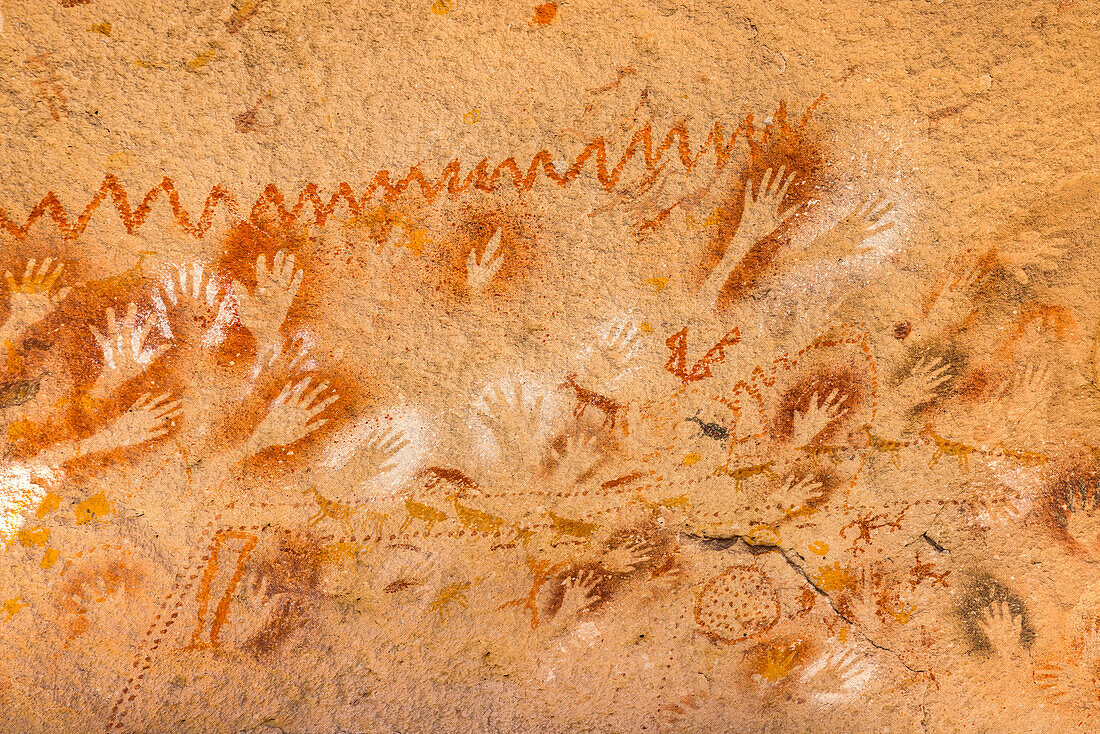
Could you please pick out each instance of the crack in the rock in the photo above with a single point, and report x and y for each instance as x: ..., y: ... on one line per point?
x: 801, y: 572
x: 939, y: 548
x: 728, y: 541
x: 926, y: 537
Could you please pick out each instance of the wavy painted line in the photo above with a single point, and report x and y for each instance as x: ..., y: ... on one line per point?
x: 450, y: 180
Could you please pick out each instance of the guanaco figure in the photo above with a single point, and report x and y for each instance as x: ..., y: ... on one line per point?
x: 523, y: 535
x: 337, y: 511
x: 476, y: 520
x: 949, y: 448
x: 742, y: 473
x: 884, y: 445
x: 378, y: 518
x: 1027, y: 458
x: 587, y: 398
x: 680, y: 502
x: 815, y: 452
x: 419, y: 511
x: 566, y: 526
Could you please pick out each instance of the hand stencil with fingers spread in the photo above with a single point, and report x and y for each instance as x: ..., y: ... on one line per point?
x: 290, y: 417
x: 191, y: 301
x: 848, y: 236
x: 513, y: 425
x: 920, y: 385
x: 816, y: 417
x: 759, y: 218
x: 32, y: 299
x: 376, y: 454
x: 578, y: 457
x: 124, y: 349
x: 626, y: 557
x: 263, y: 310
x: 579, y: 593
x: 147, y: 419
x: 1003, y: 629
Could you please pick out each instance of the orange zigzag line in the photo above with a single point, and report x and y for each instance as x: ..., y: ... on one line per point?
x: 450, y: 179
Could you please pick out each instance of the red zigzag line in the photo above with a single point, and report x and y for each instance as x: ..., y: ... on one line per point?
x: 450, y: 179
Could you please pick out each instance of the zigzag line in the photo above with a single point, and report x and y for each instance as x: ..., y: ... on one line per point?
x: 450, y: 180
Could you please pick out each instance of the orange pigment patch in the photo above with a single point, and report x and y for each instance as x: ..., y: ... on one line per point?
x: 33, y: 537
x: 469, y: 228
x: 793, y: 146
x: 545, y: 13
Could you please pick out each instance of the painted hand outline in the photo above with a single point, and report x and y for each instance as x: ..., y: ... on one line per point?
x: 31, y: 299
x: 263, y: 310
x: 290, y: 417
x: 821, y: 411
x: 759, y: 218
x: 481, y: 270
x: 123, y: 349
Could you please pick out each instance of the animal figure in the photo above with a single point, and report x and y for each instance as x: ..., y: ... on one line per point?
x: 1027, y: 458
x: 586, y: 398
x: 425, y: 513
x: 680, y: 502
x: 742, y: 473
x: 476, y: 520
x: 885, y: 445
x: 437, y: 476
x: 566, y: 526
x: 341, y: 513
x: 378, y: 518
x: 949, y: 448
x: 523, y: 534
x: 450, y: 594
x: 711, y: 430
x: 541, y: 571
x: 816, y: 451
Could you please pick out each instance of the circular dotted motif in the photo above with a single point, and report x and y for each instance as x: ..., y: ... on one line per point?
x: 737, y: 604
